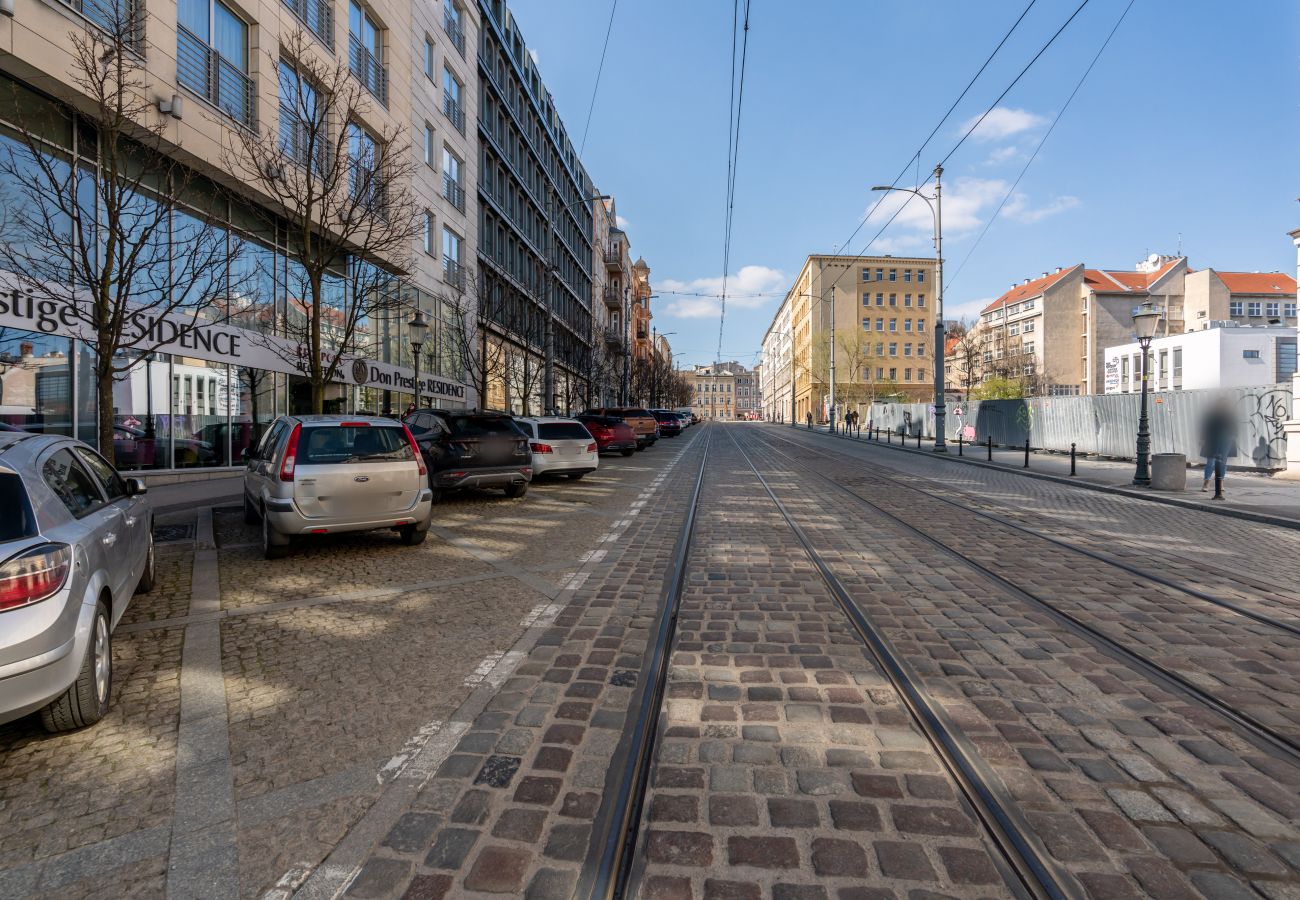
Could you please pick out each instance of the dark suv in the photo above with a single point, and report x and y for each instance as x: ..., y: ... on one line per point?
x: 472, y: 449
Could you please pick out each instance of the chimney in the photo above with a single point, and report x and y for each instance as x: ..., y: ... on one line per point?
x: 25, y: 350
x: 1044, y: 275
x: 1026, y: 281
x: 1058, y: 270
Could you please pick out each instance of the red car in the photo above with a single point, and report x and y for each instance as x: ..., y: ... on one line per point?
x: 611, y: 434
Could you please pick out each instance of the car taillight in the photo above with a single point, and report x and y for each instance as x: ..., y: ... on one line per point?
x: 32, y: 576
x: 419, y: 457
x: 591, y: 448
x: 290, y: 455
x: 540, y: 448
x: 521, y: 448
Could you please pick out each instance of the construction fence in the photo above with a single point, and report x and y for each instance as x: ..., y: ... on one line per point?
x: 1105, y: 425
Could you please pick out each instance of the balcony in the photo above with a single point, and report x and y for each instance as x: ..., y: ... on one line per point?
x: 318, y: 16
x: 368, y: 189
x: 368, y: 69
x: 614, y: 256
x: 453, y: 273
x: 614, y: 338
x: 451, y: 25
x: 613, y: 298
x: 452, y: 192
x: 454, y: 112
x: 205, y: 72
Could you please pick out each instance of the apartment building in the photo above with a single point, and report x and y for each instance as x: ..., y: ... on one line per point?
x: 876, y: 312
x: 208, y: 78
x: 777, y: 387
x: 641, y: 315
x: 1051, y: 332
x: 714, y: 390
x: 1225, y: 354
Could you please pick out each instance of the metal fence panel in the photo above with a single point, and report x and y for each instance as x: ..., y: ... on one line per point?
x: 1106, y: 425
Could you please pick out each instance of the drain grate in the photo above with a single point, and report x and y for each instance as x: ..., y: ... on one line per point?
x: 166, y: 534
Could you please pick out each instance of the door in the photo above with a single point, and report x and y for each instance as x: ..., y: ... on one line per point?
x: 258, y: 469
x: 98, y: 529
x: 132, y: 544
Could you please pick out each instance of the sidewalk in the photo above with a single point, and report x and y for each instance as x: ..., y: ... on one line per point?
x: 1247, y: 495
x: 167, y: 498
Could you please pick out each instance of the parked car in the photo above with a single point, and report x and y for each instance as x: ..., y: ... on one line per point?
x: 134, y: 447
x: 472, y: 449
x: 76, y: 543
x: 612, y: 434
x: 327, y: 474
x: 642, y: 421
x: 684, y: 413
x: 669, y: 424
x: 560, y: 446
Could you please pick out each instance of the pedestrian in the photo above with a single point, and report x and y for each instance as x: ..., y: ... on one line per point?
x: 810, y: 420
x: 409, y: 409
x: 1218, y: 440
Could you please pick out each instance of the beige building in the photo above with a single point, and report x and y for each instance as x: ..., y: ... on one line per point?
x: 883, y: 325
x: 1051, y: 332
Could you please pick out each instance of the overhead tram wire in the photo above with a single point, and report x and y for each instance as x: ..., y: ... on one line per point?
x: 733, y: 162
x: 599, y: 69
x: 1041, y: 141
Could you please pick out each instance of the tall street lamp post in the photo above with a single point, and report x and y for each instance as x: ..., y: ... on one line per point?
x: 936, y: 209
x: 418, y: 328
x: 1145, y: 319
x: 552, y: 269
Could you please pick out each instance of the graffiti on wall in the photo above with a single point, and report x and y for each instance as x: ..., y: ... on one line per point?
x: 1265, y: 415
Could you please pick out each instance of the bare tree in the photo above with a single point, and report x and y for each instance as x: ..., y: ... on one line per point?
x: 120, y: 245
x: 481, y: 355
x: 966, y: 361
x: 344, y: 190
x: 679, y: 391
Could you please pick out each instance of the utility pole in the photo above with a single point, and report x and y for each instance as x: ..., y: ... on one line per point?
x: 940, y: 407
x: 627, y: 347
x: 831, y: 417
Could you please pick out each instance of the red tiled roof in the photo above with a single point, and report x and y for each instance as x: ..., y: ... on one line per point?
x: 1024, y: 291
x: 1258, y: 282
x: 1113, y: 281
x: 949, y: 343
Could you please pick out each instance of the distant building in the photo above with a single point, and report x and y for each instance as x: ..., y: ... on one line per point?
x: 1223, y: 355
x: 725, y: 390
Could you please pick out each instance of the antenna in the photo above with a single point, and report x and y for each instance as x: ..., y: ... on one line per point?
x: 1180, y: 244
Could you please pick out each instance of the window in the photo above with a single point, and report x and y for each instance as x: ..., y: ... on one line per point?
x: 893, y: 325
x: 866, y: 324
x: 1236, y: 308
x: 866, y: 299
x: 880, y: 324
x: 880, y: 348
x: 920, y: 374
x: 907, y: 325
x: 212, y: 57
x: 366, y: 51
x: 920, y: 349
x: 364, y: 160
x: 1250, y: 354
x: 893, y: 274
x: 893, y: 299
x: 451, y: 23
x: 452, y: 271
x: 920, y: 300
x: 866, y: 274
x: 112, y: 483
x: 920, y: 277
x: 300, y: 118
x: 893, y: 374
x: 453, y: 188
x: 1178, y: 367
x: 907, y: 275
x: 907, y: 349
x: 1254, y: 308
x: 1290, y: 310
x: 893, y: 349
x: 429, y: 152
x: 880, y: 299
x: 451, y: 92
x: 1028, y: 327
x: 907, y: 300
x: 880, y: 374
x: 920, y: 324
x: 1272, y: 309
x: 71, y: 483
x: 907, y: 374
x: 880, y: 274
x: 430, y: 65
x: 429, y: 246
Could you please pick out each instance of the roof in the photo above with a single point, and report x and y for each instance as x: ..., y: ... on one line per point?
x: 950, y: 343
x: 1122, y: 281
x: 1258, y: 282
x: 1024, y: 291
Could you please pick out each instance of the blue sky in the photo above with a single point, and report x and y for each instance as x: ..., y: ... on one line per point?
x: 1188, y: 126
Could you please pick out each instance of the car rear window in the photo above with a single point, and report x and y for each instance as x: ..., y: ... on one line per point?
x: 634, y: 413
x: 562, y: 431
x: 13, y: 496
x: 333, y: 445
x: 481, y: 426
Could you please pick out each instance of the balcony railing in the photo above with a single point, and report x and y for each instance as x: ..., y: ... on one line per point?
x: 614, y: 255
x: 613, y: 298
x: 453, y: 273
x: 317, y: 15
x: 614, y: 337
x: 208, y: 74
x: 368, y: 188
x: 368, y: 69
x: 454, y: 31
x: 295, y: 136
x: 453, y: 192
x: 452, y: 109
x: 120, y: 18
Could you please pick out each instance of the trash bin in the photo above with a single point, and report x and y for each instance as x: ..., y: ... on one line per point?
x: 1169, y: 471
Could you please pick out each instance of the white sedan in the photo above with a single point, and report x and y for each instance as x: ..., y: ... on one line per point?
x: 560, y: 446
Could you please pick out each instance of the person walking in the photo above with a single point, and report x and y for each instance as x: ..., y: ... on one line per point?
x: 1218, y: 441
x: 810, y: 420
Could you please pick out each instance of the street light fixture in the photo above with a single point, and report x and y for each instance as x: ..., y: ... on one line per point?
x: 936, y: 209
x: 552, y: 267
x: 1145, y: 320
x: 419, y: 329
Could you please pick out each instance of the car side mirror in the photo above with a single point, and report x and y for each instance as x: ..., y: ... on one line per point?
x: 136, y: 488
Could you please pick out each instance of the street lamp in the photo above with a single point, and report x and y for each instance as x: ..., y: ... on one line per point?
x: 419, y: 330
x: 936, y: 210
x: 1145, y: 319
x: 552, y: 268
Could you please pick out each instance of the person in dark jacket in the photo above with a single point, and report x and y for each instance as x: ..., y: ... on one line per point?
x: 1218, y: 440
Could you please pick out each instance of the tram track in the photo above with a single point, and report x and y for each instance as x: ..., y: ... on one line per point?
x: 1246, y: 725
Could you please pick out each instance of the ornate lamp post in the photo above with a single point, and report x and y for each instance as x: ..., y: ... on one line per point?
x: 1145, y: 319
x: 419, y: 329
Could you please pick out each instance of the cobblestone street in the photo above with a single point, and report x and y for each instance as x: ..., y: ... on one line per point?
x: 752, y: 662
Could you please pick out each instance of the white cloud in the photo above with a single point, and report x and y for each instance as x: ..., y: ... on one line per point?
x: 1003, y: 155
x: 964, y: 202
x: 1019, y: 208
x: 621, y: 222
x: 749, y: 288
x: 1002, y: 122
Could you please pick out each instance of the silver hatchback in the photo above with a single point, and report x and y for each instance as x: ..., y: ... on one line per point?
x: 325, y: 474
x: 76, y: 542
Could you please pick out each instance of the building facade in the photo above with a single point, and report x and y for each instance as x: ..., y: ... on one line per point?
x: 1222, y: 355
x: 725, y: 391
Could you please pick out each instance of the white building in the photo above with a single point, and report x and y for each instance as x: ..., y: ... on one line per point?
x: 1224, y: 355
x: 776, y: 357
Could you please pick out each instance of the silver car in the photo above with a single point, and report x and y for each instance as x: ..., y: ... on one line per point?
x: 76, y: 542
x: 560, y: 446
x: 325, y: 474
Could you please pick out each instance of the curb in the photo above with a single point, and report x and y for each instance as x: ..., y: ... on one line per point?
x: 1262, y: 518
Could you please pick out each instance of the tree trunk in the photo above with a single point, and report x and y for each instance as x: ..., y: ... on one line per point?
x: 317, y: 367
x: 104, y: 408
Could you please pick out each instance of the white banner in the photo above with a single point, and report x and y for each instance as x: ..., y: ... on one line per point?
x: 215, y: 342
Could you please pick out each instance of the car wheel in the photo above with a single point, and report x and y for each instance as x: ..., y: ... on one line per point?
x: 274, y: 544
x: 148, y: 577
x: 85, y: 701
x: 627, y: 452
x: 575, y: 476
x: 516, y: 490
x: 412, y: 536
x: 250, y: 511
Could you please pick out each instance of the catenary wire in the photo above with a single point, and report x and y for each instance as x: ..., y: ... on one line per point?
x: 732, y: 164
x: 1041, y: 141
x: 599, y: 69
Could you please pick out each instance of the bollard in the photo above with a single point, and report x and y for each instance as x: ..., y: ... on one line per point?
x: 1026, y: 453
x: 1072, y: 459
x: 1218, y: 484
x: 959, y: 437
x: 990, y: 448
x: 918, y: 440
x: 889, y: 436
